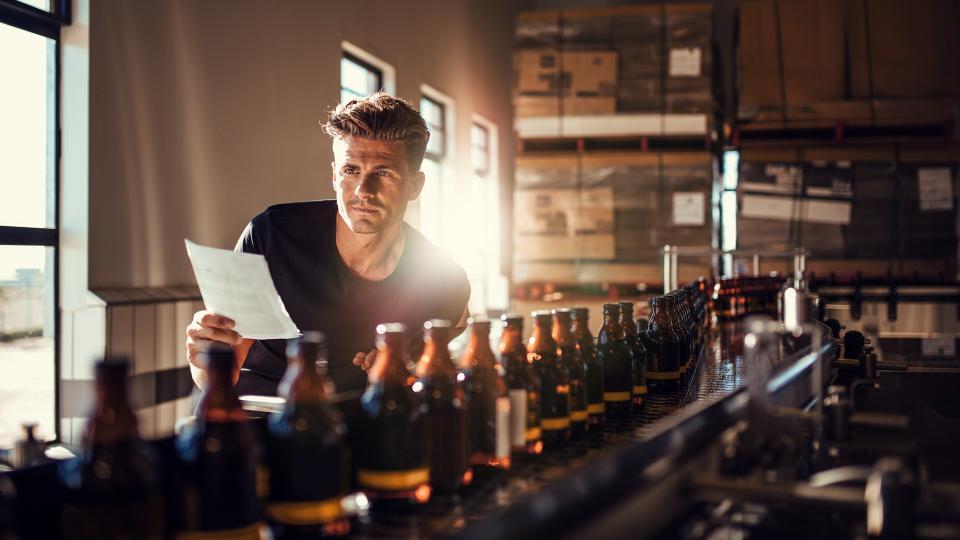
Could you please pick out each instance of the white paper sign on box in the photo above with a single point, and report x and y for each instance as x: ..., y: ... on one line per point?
x: 688, y: 208
x: 685, y: 62
x: 936, y: 188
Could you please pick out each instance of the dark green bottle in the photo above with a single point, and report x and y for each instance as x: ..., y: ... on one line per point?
x: 617, y: 360
x: 639, y: 355
x: 570, y: 358
x: 554, y: 383
x: 588, y: 351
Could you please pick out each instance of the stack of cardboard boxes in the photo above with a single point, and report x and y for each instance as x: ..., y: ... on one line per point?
x: 865, y: 208
x: 602, y: 217
x: 631, y: 59
x: 816, y: 63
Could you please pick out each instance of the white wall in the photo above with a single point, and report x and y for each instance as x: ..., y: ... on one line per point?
x: 204, y: 113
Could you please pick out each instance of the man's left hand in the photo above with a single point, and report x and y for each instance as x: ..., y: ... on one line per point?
x: 364, y: 360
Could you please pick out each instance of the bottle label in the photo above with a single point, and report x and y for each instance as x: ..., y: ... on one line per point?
x: 578, y: 416
x: 616, y: 396
x: 555, y: 424
x: 305, y: 512
x: 502, y: 449
x: 518, y: 416
x: 595, y: 408
x: 393, y: 480
x: 639, y: 390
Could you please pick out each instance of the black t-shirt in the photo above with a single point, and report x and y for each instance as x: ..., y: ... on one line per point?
x: 320, y: 293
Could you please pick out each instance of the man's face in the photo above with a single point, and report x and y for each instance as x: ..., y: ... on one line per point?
x: 373, y: 182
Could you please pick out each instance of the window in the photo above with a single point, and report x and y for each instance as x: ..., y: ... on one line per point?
x: 728, y: 207
x: 358, y: 78
x: 434, y: 114
x: 480, y: 149
x: 29, y: 52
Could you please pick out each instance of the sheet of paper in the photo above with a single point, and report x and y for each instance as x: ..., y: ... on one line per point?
x: 688, y: 208
x: 936, y: 188
x: 239, y: 286
x: 685, y: 62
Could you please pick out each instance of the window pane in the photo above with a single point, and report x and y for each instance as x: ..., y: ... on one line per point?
x: 731, y: 169
x: 41, y: 4
x: 728, y: 220
x: 432, y: 112
x: 357, y: 78
x: 435, y: 144
x: 26, y: 128
x: 478, y: 136
x: 26, y: 340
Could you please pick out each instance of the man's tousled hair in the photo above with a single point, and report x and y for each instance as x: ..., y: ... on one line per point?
x: 381, y: 117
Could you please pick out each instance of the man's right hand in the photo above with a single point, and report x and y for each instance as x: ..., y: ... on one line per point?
x: 206, y: 328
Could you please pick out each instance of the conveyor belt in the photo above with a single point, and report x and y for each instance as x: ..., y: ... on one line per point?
x: 719, y: 371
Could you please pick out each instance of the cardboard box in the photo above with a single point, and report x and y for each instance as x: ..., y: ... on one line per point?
x: 910, y: 49
x: 568, y: 73
x: 534, y: 106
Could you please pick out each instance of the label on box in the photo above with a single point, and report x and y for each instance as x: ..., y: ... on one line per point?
x: 939, y: 347
x: 685, y: 62
x: 936, y: 188
x: 688, y: 208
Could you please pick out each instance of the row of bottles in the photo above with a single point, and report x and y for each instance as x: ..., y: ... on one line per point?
x: 735, y: 298
x: 422, y: 431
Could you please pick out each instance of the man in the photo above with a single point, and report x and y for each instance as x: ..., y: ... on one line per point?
x: 344, y: 266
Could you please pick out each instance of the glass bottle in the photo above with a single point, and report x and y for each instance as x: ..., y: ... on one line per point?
x: 594, y: 371
x: 523, y: 389
x: 570, y: 359
x: 663, y: 369
x: 446, y: 410
x: 554, y: 382
x: 487, y: 398
x: 220, y: 458
x: 639, y: 390
x: 306, y: 453
x: 617, y: 359
x: 113, y: 489
x: 394, y: 468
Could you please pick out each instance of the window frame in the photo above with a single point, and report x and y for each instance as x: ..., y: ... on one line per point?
x: 443, y: 128
x: 347, y: 55
x: 46, y: 24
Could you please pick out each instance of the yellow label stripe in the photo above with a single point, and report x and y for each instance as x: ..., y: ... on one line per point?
x: 305, y: 513
x: 616, y: 396
x: 533, y: 434
x: 640, y: 389
x: 578, y: 416
x: 250, y: 532
x: 663, y: 375
x: 555, y: 424
x: 595, y: 408
x: 394, y: 480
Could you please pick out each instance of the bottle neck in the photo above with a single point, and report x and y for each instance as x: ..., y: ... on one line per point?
x: 511, y: 343
x: 113, y: 419
x: 561, y: 332
x: 436, y: 356
x: 390, y: 363
x: 478, y: 352
x: 541, y: 340
x: 626, y: 321
x: 307, y: 384
x: 612, y: 326
x: 220, y: 402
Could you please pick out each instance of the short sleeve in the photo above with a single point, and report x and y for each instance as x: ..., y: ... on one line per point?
x: 460, y: 295
x: 249, y: 241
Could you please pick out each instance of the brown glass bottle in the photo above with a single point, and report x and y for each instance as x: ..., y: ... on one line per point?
x: 594, y: 371
x: 446, y: 410
x: 639, y: 390
x: 113, y: 489
x: 306, y: 454
x: 664, y: 336
x: 569, y: 357
x: 220, y: 457
x: 487, y: 400
x: 523, y: 389
x: 554, y: 382
x: 394, y: 468
x: 617, y: 359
